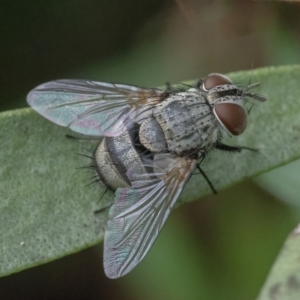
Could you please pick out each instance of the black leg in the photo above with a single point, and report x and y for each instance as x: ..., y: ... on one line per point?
x: 170, y: 90
x: 207, y: 180
x: 236, y: 149
x: 102, y: 208
x: 69, y: 136
x: 173, y: 89
x: 168, y: 87
x: 198, y: 84
x: 106, y: 206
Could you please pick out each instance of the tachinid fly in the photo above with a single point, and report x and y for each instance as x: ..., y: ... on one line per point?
x: 152, y: 142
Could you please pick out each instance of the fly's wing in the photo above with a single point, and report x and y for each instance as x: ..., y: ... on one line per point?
x: 90, y: 107
x: 138, y: 214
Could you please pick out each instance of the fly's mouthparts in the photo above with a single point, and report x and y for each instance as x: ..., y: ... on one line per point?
x: 252, y: 95
x: 256, y: 97
x: 253, y: 85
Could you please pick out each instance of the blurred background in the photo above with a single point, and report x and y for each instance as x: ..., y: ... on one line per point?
x: 220, y: 247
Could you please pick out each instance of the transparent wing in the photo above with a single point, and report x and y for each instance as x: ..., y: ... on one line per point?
x: 139, y: 213
x: 90, y: 107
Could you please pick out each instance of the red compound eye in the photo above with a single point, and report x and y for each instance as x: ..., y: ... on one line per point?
x: 215, y: 79
x: 232, y: 116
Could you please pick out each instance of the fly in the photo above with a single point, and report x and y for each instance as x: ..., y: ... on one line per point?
x: 152, y: 142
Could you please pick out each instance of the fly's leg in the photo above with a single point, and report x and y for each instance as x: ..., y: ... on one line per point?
x: 207, y: 179
x: 97, y: 211
x: 69, y: 136
x: 235, y: 149
x: 201, y: 159
x: 198, y: 84
x: 172, y: 90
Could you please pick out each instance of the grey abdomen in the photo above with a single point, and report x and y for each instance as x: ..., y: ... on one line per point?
x: 116, y: 158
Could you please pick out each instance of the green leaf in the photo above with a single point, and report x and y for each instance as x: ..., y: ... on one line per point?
x: 46, y: 211
x: 286, y: 190
x: 283, y: 282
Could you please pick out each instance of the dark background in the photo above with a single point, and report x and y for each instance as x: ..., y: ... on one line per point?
x: 220, y: 247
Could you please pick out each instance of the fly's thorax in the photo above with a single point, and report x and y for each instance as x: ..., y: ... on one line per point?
x: 187, y: 121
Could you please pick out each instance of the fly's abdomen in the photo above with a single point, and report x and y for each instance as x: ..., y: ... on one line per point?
x: 118, y: 156
x: 107, y: 169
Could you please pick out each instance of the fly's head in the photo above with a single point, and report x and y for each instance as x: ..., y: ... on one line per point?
x: 228, y: 102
